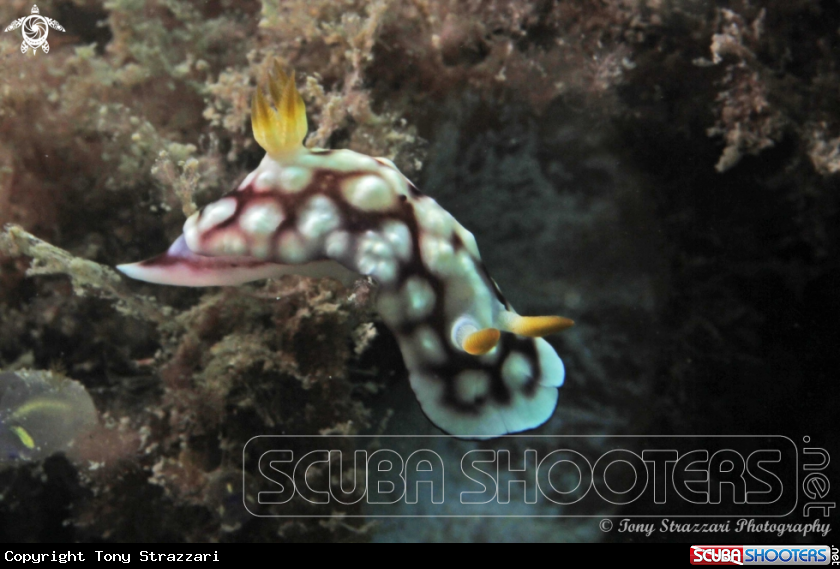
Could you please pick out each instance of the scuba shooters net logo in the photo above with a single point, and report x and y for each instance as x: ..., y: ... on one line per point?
x: 797, y: 555
x: 525, y: 476
x: 35, y: 29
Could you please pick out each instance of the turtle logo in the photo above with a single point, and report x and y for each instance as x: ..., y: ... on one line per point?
x: 35, y: 30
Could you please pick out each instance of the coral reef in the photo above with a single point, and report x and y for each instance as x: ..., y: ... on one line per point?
x: 663, y: 171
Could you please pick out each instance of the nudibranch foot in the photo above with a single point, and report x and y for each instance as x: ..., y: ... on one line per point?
x: 181, y: 267
x: 478, y: 369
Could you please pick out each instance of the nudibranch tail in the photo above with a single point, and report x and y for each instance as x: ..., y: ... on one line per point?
x: 478, y: 369
x: 282, y: 128
x: 181, y: 267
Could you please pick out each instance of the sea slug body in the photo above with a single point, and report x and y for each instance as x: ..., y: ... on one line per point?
x: 478, y: 369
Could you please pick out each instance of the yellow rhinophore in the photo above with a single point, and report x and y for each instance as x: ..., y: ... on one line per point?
x: 534, y: 326
x: 282, y: 128
x: 481, y: 342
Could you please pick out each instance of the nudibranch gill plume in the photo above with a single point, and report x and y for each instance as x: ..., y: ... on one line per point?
x: 478, y: 369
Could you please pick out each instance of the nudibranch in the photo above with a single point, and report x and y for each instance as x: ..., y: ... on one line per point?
x: 478, y: 369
